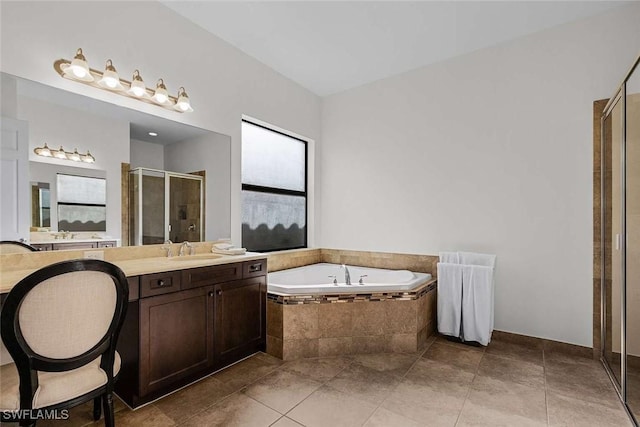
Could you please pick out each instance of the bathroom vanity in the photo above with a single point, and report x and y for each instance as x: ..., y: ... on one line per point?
x: 187, y: 316
x: 182, y: 325
x: 74, y: 244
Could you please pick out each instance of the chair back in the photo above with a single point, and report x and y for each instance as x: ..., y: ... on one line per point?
x: 62, y: 317
x: 13, y: 247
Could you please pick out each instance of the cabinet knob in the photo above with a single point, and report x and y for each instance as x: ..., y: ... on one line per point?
x: 160, y: 282
x: 219, y: 292
x: 211, y: 293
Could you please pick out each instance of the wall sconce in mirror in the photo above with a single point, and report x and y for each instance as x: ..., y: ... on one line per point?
x: 64, y: 155
x: 78, y: 70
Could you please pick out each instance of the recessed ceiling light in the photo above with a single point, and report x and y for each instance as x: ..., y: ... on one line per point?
x: 153, y: 134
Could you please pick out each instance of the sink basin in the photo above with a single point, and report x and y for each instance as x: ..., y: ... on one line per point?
x: 197, y: 257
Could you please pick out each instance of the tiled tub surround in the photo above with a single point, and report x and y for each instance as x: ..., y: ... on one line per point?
x: 301, y: 326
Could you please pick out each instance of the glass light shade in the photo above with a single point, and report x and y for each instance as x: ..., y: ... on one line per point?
x: 88, y: 158
x: 79, y: 69
x: 110, y: 78
x: 43, y: 151
x: 183, y: 103
x: 161, y: 95
x: 75, y: 156
x: 60, y: 153
x: 137, y: 87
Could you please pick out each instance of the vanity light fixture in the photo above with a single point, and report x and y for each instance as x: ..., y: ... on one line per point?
x: 64, y: 155
x: 78, y: 70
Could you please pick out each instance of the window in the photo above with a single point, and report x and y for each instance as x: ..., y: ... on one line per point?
x: 82, y: 203
x: 274, y: 189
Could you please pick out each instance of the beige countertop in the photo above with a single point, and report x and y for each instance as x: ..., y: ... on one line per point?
x: 136, y: 267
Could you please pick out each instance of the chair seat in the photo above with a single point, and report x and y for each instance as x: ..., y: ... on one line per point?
x: 53, y: 387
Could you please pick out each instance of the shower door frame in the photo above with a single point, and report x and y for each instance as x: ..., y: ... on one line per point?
x: 620, y: 95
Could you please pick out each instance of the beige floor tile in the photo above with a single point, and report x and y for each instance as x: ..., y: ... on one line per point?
x: 320, y: 369
x: 519, y: 351
x: 441, y: 377
x: 329, y: 407
x: 80, y: 415
x: 495, y: 402
x: 385, y: 418
x: 148, y: 416
x: 426, y: 404
x: 193, y: 399
x: 581, y: 379
x: 269, y: 359
x: 285, y: 422
x: 392, y: 363
x: 569, y: 412
x: 282, y: 390
x: 512, y: 370
x: 245, y: 372
x: 461, y: 358
x: 365, y: 383
x: 236, y: 410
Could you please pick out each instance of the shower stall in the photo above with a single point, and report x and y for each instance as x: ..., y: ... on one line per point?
x: 165, y: 206
x: 620, y: 240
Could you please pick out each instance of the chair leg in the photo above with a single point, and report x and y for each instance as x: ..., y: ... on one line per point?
x: 97, y: 408
x: 107, y: 401
x: 27, y: 423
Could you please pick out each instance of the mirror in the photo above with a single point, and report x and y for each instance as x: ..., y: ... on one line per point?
x: 117, y: 137
x: 40, y: 205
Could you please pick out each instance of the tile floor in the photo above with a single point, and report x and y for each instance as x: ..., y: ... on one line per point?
x: 447, y: 384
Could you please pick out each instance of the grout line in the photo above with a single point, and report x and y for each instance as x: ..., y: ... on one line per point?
x: 475, y: 375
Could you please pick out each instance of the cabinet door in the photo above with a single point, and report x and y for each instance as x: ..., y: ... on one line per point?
x: 176, y: 337
x: 80, y: 245
x: 240, y: 320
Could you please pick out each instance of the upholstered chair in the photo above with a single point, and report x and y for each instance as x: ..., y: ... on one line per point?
x: 13, y: 247
x: 60, y: 325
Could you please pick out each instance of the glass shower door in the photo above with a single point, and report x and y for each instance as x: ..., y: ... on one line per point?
x: 612, y: 144
x: 185, y: 208
x: 633, y: 242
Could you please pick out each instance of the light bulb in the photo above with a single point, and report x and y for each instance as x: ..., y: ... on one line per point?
x: 137, y: 85
x: 60, y: 154
x: 161, y: 95
x: 110, y: 78
x: 79, y: 69
x: 88, y: 158
x: 183, y: 103
x: 43, y: 151
x: 75, y: 156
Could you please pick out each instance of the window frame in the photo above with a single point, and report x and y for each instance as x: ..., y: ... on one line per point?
x: 284, y: 191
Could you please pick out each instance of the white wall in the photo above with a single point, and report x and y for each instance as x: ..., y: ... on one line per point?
x: 107, y: 140
x: 489, y: 152
x: 146, y: 155
x: 223, y: 83
x: 210, y: 153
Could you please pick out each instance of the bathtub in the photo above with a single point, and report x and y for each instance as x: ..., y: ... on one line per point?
x: 314, y: 279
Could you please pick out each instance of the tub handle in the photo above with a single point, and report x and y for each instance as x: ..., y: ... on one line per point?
x: 362, y: 281
x: 335, y: 281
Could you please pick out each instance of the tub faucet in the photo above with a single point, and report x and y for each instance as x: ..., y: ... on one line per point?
x: 347, y: 276
x: 186, y: 244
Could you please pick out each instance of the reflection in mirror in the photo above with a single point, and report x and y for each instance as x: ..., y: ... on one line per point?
x: 82, y: 203
x: 120, y: 139
x: 40, y: 205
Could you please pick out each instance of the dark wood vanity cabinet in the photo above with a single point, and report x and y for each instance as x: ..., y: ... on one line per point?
x: 187, y: 324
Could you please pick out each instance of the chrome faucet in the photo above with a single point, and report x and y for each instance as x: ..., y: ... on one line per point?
x: 168, y: 248
x: 347, y: 276
x: 186, y: 244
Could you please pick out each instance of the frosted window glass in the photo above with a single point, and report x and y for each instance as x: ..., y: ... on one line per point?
x: 82, y: 218
x: 81, y: 189
x: 270, y: 159
x: 273, y: 221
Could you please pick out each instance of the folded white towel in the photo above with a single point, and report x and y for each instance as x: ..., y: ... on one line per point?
x: 472, y: 258
x: 477, y: 303
x: 449, y: 298
x: 230, y: 251
x: 449, y: 257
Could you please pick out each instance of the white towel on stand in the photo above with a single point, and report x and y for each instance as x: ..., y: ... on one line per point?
x: 477, y: 303
x: 449, y: 298
x: 449, y: 257
x: 472, y: 258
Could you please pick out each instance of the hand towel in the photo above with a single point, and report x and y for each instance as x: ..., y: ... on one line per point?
x: 472, y: 258
x: 477, y: 303
x: 449, y: 257
x: 449, y: 298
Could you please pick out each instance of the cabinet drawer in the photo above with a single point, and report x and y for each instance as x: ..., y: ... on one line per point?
x: 159, y: 283
x: 197, y: 277
x: 134, y: 288
x: 63, y: 246
x: 254, y: 268
x: 108, y: 244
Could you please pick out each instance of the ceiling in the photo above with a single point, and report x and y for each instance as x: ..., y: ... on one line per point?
x: 332, y: 46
